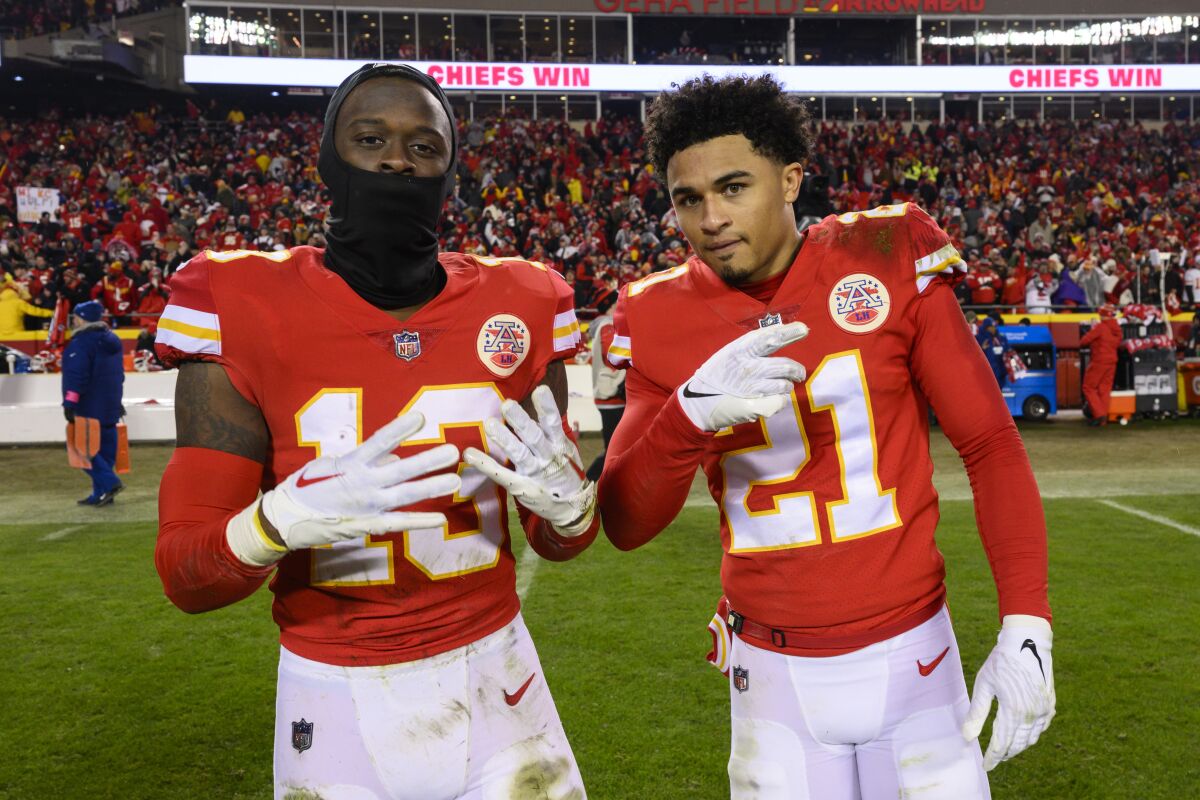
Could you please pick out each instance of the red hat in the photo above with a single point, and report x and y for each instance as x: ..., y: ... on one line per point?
x: 1107, y: 311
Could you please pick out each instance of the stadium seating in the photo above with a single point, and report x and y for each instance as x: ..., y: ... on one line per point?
x: 1023, y: 201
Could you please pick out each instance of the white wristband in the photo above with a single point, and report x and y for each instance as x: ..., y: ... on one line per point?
x: 576, y: 528
x: 587, y: 493
x: 249, y: 542
x: 1027, y: 621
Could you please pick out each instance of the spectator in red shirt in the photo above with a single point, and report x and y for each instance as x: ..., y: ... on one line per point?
x: 1102, y: 341
x: 116, y: 293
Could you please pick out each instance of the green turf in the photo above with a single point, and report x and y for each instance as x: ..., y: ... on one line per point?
x: 111, y: 692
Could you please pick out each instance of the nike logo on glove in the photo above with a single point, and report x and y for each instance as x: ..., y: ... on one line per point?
x: 689, y: 393
x: 515, y: 697
x: 303, y: 481
x: 1028, y: 643
x: 925, y: 669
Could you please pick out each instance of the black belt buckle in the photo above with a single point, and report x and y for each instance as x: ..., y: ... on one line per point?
x: 735, y: 621
x: 778, y: 638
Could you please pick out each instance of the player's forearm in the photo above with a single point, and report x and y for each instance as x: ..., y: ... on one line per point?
x: 648, y: 474
x: 1012, y: 524
x: 201, y: 491
x: 952, y: 373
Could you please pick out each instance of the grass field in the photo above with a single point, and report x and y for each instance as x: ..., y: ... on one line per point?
x: 110, y: 692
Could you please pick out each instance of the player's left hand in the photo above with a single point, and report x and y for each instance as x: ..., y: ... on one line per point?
x: 547, y: 476
x: 1019, y: 673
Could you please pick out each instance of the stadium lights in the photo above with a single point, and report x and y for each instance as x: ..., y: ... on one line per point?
x: 18, y: 78
x: 222, y: 30
x: 274, y: 94
x: 1095, y: 34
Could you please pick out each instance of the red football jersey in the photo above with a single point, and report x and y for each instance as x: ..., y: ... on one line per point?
x: 827, y: 509
x: 328, y: 369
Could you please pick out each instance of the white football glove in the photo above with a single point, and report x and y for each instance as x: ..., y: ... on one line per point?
x: 547, y: 476
x: 338, y: 498
x: 1020, y: 674
x: 741, y: 382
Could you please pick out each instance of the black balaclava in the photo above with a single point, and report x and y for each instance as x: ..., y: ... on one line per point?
x: 382, y: 228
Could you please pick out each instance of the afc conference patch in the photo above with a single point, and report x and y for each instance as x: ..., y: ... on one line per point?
x: 859, y: 303
x: 503, y: 344
x: 408, y: 344
x: 741, y: 679
x: 302, y: 735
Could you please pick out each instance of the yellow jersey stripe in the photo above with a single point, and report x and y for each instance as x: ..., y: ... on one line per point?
x: 194, y: 331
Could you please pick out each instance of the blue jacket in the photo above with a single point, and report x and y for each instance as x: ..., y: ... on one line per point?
x: 992, y: 340
x: 93, y: 374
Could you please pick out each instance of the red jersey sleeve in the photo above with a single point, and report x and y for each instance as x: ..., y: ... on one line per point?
x: 566, y: 326
x: 1008, y: 507
x: 190, y: 326
x: 651, y: 462
x: 934, y: 257
x: 618, y: 353
x: 201, y: 491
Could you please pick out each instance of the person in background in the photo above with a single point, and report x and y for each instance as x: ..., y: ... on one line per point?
x: 1038, y: 293
x: 14, y: 308
x: 93, y: 380
x: 993, y: 344
x: 116, y: 292
x: 1191, y: 283
x: 1090, y: 278
x: 1103, y: 340
x: 608, y: 384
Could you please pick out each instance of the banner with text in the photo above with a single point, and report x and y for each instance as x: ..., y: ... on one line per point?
x: 562, y: 78
x: 33, y: 200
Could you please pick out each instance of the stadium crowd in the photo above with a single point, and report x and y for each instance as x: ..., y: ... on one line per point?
x: 25, y: 18
x: 1047, y: 215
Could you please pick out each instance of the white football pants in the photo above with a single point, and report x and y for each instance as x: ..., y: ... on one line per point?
x: 866, y: 725
x: 476, y: 723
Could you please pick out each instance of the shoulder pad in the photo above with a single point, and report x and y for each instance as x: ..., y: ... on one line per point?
x: 250, y: 256
x: 639, y: 286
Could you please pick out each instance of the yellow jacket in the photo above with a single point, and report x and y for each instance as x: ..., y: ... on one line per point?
x: 13, y: 310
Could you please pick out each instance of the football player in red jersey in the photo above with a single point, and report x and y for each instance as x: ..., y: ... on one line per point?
x: 342, y: 384
x: 798, y: 370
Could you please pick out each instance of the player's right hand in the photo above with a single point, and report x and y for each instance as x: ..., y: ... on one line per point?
x: 742, y: 381
x: 337, y: 498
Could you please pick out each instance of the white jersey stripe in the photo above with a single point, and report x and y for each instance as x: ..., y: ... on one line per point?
x: 186, y: 343
x: 943, y: 261
x: 189, y: 316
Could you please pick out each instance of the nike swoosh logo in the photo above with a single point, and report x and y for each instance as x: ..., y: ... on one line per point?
x: 925, y: 669
x: 515, y: 697
x: 303, y: 481
x: 689, y: 393
x: 1029, y: 645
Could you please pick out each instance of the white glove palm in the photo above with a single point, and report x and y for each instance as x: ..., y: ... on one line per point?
x: 337, y: 498
x: 741, y: 382
x: 547, y: 476
x: 1019, y: 673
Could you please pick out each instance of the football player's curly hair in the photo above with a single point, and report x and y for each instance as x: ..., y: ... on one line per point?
x: 777, y: 124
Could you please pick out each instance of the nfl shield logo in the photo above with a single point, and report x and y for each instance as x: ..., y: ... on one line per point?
x: 769, y: 320
x: 408, y: 344
x: 302, y: 735
x: 741, y: 681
